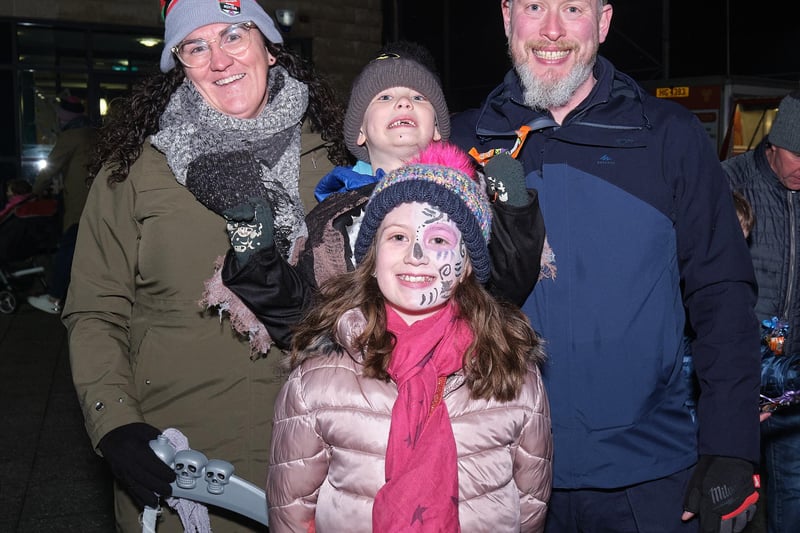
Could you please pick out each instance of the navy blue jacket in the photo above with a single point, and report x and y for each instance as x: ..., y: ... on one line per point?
x: 640, y: 219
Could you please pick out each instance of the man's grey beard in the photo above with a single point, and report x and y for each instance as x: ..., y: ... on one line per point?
x: 544, y: 94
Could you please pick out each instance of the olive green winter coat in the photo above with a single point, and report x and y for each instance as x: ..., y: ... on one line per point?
x: 141, y: 347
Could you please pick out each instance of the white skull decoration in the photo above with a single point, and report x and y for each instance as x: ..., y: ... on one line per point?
x: 189, y: 467
x: 497, y: 187
x: 218, y: 474
x: 243, y: 235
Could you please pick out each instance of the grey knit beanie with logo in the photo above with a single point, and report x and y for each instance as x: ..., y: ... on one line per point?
x: 182, y: 17
x: 397, y: 65
x: 785, y: 132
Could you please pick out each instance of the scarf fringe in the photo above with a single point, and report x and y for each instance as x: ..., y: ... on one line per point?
x: 193, y: 515
x: 217, y: 296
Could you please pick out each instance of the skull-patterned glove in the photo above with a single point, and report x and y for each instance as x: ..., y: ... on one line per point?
x: 134, y: 464
x: 506, y: 180
x: 250, y: 227
x: 224, y: 180
x: 722, y: 490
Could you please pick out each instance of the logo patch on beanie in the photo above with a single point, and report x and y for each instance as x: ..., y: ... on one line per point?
x: 231, y: 8
x: 166, y: 6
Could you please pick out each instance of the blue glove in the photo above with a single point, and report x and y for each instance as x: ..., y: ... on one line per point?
x: 505, y: 178
x: 723, y: 492
x: 250, y: 227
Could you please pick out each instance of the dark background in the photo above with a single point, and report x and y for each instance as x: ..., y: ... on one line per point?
x: 696, y: 38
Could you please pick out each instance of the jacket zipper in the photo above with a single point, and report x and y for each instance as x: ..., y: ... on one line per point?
x: 792, y: 254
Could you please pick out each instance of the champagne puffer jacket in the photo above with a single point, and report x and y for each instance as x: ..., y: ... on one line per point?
x: 330, y: 434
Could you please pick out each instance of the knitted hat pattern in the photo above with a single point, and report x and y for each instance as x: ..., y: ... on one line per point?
x: 442, y: 176
x: 391, y: 69
x: 785, y: 131
x: 182, y: 17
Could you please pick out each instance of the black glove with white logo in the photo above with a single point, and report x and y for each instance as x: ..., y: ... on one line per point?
x: 723, y: 491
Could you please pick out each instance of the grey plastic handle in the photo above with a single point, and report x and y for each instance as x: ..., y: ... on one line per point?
x: 211, y: 482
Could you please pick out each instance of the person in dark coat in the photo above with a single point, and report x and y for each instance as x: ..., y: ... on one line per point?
x: 642, y: 228
x: 769, y: 177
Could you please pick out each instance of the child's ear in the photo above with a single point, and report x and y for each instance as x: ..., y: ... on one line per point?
x: 436, y: 135
x: 362, y: 139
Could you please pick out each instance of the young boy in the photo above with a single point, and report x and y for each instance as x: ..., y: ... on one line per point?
x: 396, y: 109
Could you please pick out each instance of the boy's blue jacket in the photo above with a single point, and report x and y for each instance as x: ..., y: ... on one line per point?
x: 640, y: 219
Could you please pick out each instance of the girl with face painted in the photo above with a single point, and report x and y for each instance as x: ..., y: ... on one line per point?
x: 415, y: 401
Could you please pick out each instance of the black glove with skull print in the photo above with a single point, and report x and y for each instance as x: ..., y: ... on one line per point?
x: 250, y: 227
x: 506, y: 180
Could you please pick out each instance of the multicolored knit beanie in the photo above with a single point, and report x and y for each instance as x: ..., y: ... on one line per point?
x: 182, y: 17
x: 443, y: 176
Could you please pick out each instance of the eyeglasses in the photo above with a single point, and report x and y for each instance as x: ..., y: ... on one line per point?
x: 233, y: 40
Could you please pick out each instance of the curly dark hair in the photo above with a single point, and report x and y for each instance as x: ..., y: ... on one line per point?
x: 136, y: 116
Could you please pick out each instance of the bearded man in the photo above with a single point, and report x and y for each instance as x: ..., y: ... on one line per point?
x: 644, y: 243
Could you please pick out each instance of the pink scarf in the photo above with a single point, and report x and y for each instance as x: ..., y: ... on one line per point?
x: 421, y: 490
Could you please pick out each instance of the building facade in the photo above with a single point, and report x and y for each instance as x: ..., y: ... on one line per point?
x: 97, y: 50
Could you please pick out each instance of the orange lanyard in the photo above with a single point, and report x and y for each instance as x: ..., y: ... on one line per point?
x: 483, y: 158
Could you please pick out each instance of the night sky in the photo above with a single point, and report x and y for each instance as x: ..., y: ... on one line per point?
x: 762, y: 42
x: 468, y: 42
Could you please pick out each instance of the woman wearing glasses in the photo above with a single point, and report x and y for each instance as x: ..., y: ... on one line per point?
x: 219, y: 125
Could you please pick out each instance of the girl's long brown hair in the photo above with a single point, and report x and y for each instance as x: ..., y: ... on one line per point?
x: 495, y: 363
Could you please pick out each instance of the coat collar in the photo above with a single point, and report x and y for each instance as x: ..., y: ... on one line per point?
x: 504, y: 111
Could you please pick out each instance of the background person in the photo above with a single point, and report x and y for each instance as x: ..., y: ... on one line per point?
x: 221, y: 123
x: 17, y: 191
x: 434, y: 424
x: 769, y: 177
x: 68, y: 162
x: 641, y: 223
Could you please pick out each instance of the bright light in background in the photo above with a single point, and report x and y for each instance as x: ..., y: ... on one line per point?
x: 103, y: 107
x: 149, y: 42
x: 41, y: 164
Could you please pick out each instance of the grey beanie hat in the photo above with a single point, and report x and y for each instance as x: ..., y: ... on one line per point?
x: 385, y: 71
x: 182, y: 17
x: 785, y: 132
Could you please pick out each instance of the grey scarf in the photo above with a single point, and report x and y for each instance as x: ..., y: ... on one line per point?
x: 190, y: 127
